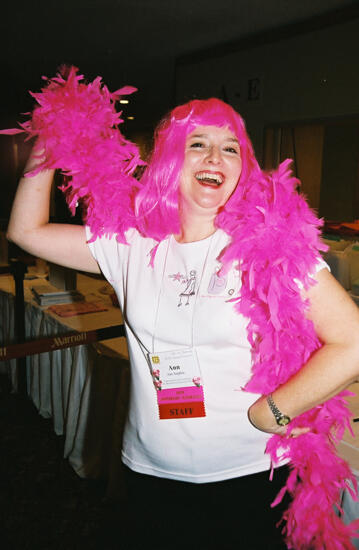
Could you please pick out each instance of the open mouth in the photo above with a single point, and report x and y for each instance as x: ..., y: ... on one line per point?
x: 215, y: 179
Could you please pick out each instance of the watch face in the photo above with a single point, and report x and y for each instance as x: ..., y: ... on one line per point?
x: 283, y: 420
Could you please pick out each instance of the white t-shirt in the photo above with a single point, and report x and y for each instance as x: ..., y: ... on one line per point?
x: 179, y: 303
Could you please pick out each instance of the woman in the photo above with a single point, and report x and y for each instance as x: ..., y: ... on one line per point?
x: 196, y: 467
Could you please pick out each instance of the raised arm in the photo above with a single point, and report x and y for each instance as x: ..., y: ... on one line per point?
x: 30, y: 229
x: 331, y: 369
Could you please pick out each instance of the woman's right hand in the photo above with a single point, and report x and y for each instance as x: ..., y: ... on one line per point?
x: 30, y: 229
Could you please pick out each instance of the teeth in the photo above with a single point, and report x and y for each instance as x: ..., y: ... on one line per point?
x: 208, y: 176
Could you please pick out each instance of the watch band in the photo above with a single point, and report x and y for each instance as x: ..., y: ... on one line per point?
x: 280, y: 418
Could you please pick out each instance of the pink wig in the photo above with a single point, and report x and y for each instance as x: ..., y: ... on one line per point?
x: 157, y: 210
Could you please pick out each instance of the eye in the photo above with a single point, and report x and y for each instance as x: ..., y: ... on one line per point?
x: 196, y: 144
x: 230, y: 149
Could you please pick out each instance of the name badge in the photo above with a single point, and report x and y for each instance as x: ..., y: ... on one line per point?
x: 177, y: 379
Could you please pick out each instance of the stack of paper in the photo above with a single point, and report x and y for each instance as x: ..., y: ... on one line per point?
x: 46, y: 295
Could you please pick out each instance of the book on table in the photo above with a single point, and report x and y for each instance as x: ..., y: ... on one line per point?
x: 48, y: 294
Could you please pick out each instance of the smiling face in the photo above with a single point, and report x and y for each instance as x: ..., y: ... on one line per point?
x: 211, y: 169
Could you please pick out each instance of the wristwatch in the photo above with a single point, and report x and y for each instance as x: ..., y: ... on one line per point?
x: 280, y: 418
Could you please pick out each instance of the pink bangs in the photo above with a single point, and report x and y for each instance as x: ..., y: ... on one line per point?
x: 157, y: 202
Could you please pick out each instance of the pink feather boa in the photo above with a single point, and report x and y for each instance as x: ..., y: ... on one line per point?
x: 276, y: 241
x: 275, y: 238
x: 76, y: 126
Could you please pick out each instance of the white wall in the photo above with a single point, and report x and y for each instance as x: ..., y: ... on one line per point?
x: 310, y: 76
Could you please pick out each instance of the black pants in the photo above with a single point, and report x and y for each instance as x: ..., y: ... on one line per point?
x: 172, y: 515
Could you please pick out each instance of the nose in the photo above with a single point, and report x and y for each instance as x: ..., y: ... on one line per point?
x: 214, y: 155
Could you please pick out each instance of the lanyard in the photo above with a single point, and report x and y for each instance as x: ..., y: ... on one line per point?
x: 195, y: 296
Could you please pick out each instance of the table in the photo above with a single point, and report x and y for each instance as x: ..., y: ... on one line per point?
x: 83, y: 389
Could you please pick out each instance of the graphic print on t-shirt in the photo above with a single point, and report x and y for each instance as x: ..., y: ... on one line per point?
x: 225, y: 285
x: 217, y: 283
x: 190, y: 286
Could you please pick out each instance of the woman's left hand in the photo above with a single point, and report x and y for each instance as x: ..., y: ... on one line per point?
x: 329, y: 370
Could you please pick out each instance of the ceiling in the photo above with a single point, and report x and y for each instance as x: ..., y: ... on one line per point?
x: 130, y: 41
